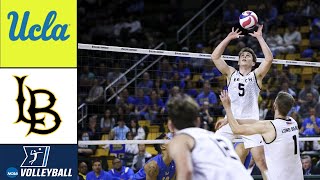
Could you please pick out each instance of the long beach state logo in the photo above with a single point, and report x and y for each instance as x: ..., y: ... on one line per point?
x: 36, y: 156
x: 33, y: 110
x: 58, y: 31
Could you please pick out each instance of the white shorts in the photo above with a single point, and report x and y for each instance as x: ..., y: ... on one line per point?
x: 248, y: 141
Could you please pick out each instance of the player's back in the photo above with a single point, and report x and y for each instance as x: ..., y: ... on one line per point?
x: 165, y: 172
x: 213, y: 157
x: 244, y: 92
x: 283, y: 154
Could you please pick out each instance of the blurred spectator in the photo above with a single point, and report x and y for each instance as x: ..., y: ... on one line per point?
x: 131, y: 148
x: 285, y: 88
x: 308, y: 168
x: 125, y: 101
x: 207, y: 95
x: 164, y: 72
x: 146, y: 84
x: 97, y: 172
x: 231, y: 15
x: 292, y: 38
x: 198, y: 63
x: 315, y: 37
x: 86, y: 76
x: 183, y: 70
x: 308, y: 89
x: 310, y: 125
x: 263, y: 110
x: 102, y: 73
x: 141, y: 103
x: 138, y: 132
x: 307, y: 9
x: 93, y: 129
x: 124, y: 116
x: 85, y: 150
x: 210, y: 73
x: 155, y: 106
x: 173, y: 92
x: 96, y: 93
x: 317, y: 109
x: 107, y: 122
x: 309, y: 103
x: 268, y: 14
x: 190, y: 90
x: 316, y: 81
x: 119, y: 132
x: 141, y: 158
x: 120, y: 172
x: 275, y: 41
x: 82, y: 170
x: 184, y: 60
x: 114, y: 75
x: 206, y: 116
x: 134, y: 25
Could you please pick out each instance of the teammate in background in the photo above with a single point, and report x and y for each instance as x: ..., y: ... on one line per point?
x: 281, y: 136
x: 160, y: 167
x: 97, y: 172
x: 120, y: 172
x: 198, y: 153
x: 244, y: 87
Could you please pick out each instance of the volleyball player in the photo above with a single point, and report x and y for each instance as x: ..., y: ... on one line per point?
x: 244, y: 87
x: 160, y: 167
x: 280, y: 135
x: 198, y: 153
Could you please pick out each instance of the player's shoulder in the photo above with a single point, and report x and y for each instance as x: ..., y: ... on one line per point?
x: 232, y: 71
x: 151, y: 168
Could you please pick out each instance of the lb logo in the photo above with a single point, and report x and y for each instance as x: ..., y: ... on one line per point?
x: 36, y: 32
x: 33, y: 110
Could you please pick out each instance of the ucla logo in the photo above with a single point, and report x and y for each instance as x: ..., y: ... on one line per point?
x: 33, y: 110
x: 58, y: 31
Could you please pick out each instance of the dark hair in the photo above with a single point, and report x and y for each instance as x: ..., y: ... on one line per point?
x: 284, y: 102
x: 157, y: 147
x: 249, y: 50
x: 183, y: 111
x: 129, y: 132
x: 96, y: 160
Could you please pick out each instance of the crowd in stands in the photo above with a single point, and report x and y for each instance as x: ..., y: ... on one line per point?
x: 291, y: 30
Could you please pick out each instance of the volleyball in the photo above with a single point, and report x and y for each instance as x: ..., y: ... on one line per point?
x: 248, y: 19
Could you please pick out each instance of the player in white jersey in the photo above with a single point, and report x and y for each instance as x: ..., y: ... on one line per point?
x: 281, y: 136
x: 244, y: 87
x: 198, y: 153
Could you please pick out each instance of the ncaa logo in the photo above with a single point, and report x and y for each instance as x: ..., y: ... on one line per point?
x: 12, y: 172
x: 36, y: 156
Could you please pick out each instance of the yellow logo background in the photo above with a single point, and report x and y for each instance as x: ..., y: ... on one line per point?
x: 39, y: 53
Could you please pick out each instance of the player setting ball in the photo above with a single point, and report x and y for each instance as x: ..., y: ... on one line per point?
x: 248, y: 20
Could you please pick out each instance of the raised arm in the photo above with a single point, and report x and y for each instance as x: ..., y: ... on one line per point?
x: 264, y: 67
x: 216, y: 54
x: 180, y: 151
x: 260, y: 127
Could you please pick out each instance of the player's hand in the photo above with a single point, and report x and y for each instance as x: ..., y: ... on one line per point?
x: 257, y: 33
x: 220, y: 123
x: 226, y: 102
x: 234, y: 34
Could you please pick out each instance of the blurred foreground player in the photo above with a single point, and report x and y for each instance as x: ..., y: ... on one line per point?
x: 160, y: 167
x: 198, y: 153
x: 280, y: 135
